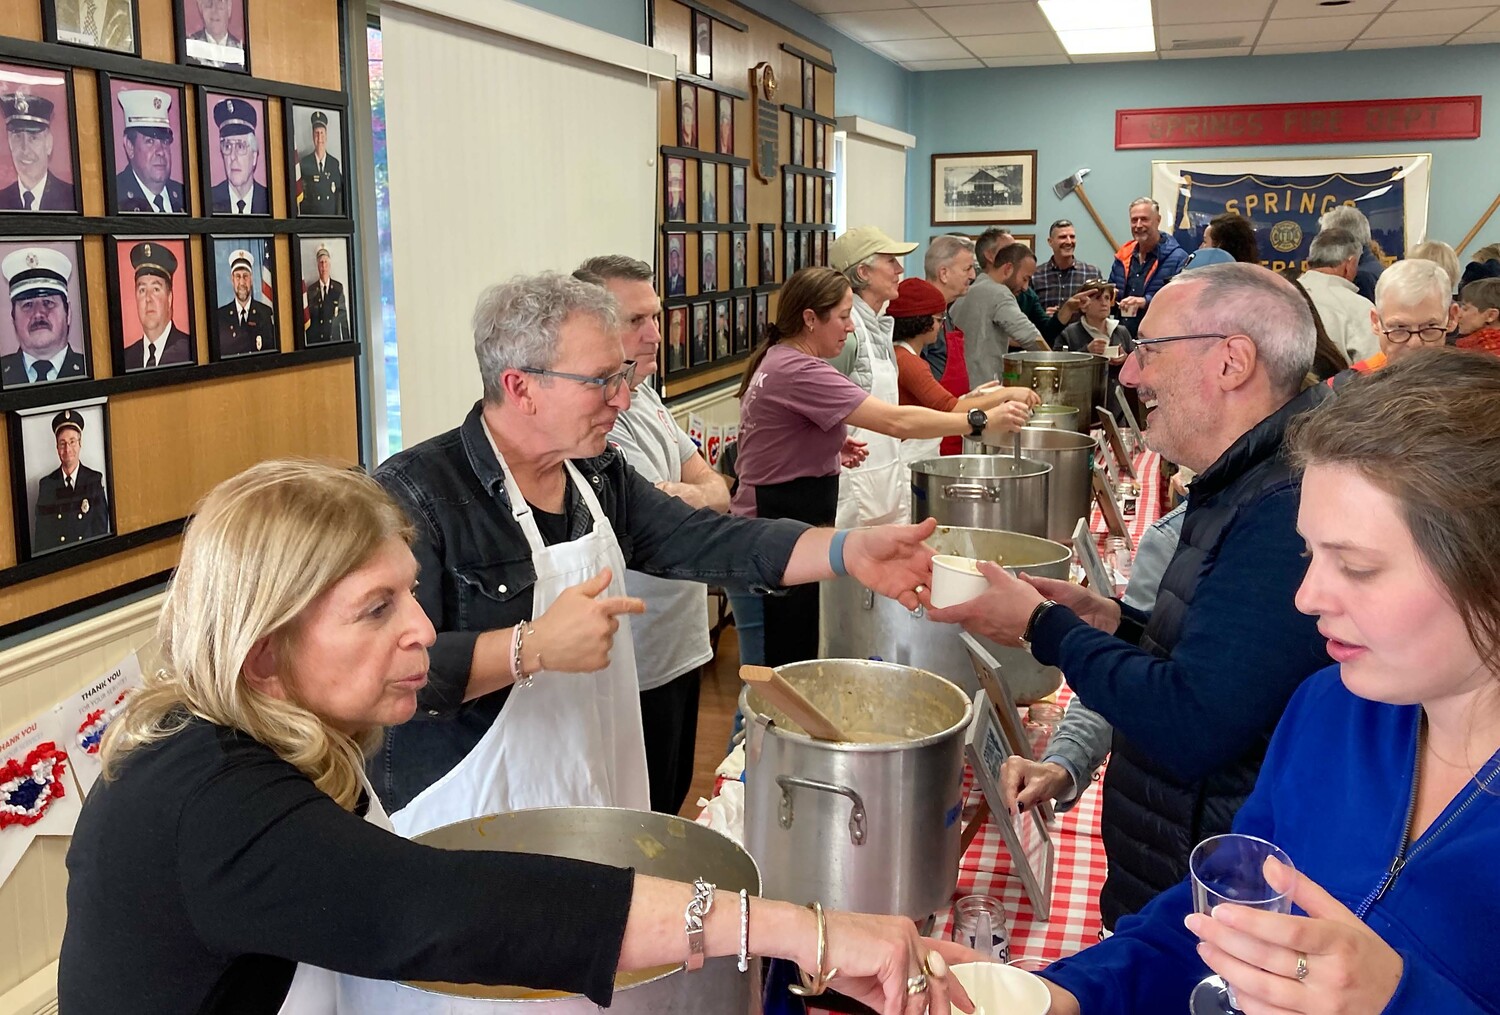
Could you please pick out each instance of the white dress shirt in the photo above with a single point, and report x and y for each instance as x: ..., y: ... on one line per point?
x: 56, y: 359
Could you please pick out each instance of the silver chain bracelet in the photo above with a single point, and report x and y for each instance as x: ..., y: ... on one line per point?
x: 693, y: 916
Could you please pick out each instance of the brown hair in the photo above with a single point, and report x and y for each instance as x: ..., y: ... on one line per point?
x: 1234, y: 235
x: 815, y: 289
x: 1424, y: 431
x: 1483, y: 294
x: 1328, y: 358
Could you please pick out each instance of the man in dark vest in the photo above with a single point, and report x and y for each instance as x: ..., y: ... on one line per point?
x: 1193, y: 688
x: 70, y: 502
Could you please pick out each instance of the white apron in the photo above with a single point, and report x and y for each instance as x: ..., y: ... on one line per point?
x: 568, y: 739
x: 878, y: 491
x: 314, y: 991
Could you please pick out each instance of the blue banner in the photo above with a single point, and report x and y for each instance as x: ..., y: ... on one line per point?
x: 1285, y: 209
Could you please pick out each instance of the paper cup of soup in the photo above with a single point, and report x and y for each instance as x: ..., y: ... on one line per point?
x: 998, y: 989
x: 955, y: 580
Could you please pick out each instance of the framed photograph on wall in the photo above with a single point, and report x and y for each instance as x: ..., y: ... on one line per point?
x: 316, y: 152
x: 675, y: 354
x: 708, y: 262
x: 241, y: 283
x: 788, y: 196
x: 739, y: 256
x: 708, y: 192
x: 321, y: 271
x: 212, y: 33
x: 809, y: 79
x: 674, y: 202
x: 984, y: 188
x: 809, y: 199
x: 703, y: 45
x: 60, y: 458
x: 721, y: 329
x: 828, y: 200
x: 819, y: 153
x: 789, y: 263
x: 145, y: 157
x: 698, y: 346
x: 103, y: 24
x: 737, y: 193
x: 39, y: 170
x: 151, y: 295
x: 232, y: 153
x: 724, y: 138
x: 687, y: 114
x: 675, y: 282
x: 798, y: 155
x: 767, y: 266
x: 762, y: 315
x: 743, y: 339
x: 43, y: 313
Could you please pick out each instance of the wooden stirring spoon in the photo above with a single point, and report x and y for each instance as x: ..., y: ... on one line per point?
x: 774, y: 688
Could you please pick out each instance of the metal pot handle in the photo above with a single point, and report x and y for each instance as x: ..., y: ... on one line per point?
x: 1052, y: 372
x: 968, y: 491
x: 856, y: 813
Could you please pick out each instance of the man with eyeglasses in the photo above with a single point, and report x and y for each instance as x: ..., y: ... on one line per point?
x: 70, y: 501
x: 526, y: 521
x: 1414, y: 309
x: 238, y: 193
x: 1194, y: 687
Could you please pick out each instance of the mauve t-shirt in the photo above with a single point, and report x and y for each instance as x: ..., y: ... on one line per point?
x: 791, y: 422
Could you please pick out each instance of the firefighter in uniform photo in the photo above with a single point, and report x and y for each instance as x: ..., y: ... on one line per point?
x: 70, y: 502
x: 39, y: 312
x: 322, y: 182
x: 327, y: 310
x: 244, y: 324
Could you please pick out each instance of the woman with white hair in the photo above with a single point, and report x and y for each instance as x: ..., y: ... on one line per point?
x: 234, y: 834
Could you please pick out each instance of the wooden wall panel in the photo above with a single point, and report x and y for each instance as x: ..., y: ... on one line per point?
x: 297, y: 41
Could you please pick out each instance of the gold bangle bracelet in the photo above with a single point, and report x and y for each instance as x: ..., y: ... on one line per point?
x: 812, y: 986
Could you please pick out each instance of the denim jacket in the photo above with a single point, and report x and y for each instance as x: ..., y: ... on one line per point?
x: 477, y: 576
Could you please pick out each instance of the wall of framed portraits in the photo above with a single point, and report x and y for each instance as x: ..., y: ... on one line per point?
x: 175, y: 269
x: 746, y: 177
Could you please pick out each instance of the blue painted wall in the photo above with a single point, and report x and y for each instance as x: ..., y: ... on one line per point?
x: 1067, y: 114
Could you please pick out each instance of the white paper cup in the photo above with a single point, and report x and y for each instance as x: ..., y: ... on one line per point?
x: 998, y: 989
x: 1127, y: 311
x: 955, y: 580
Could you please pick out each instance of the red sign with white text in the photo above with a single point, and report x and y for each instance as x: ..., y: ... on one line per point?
x: 1439, y: 118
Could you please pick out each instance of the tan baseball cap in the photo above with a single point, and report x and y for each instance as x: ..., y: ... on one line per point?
x: 862, y: 242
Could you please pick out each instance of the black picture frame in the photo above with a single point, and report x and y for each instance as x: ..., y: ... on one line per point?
x: 674, y: 211
x: 789, y: 255
x: 674, y: 285
x: 703, y: 45
x: 200, y: 52
x: 675, y: 348
x: 71, y: 112
x: 723, y: 325
x: 739, y: 258
x: 13, y: 374
x: 110, y: 122
x: 804, y: 248
x: 809, y: 199
x: 738, y: 191
x: 208, y: 99
x: 799, y: 154
x: 820, y: 143
x: 788, y: 196
x: 708, y: 192
x: 823, y: 248
x: 743, y: 338
x: 54, y: 30
x: 708, y: 262
x: 828, y: 199
x: 809, y: 86
x: 315, y: 198
x: 227, y: 339
x: 767, y: 254
x: 699, y: 337
x: 81, y: 515
x: 687, y: 114
x: 762, y: 317
x: 125, y: 334
x: 308, y: 336
x: 724, y: 111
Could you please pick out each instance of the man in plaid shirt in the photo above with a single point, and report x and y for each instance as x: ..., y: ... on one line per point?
x: 1062, y: 275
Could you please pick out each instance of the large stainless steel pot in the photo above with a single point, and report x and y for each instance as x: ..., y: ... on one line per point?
x: 855, y: 622
x: 1069, y: 487
x: 871, y: 827
x: 1059, y: 417
x: 657, y: 844
x: 1079, y: 379
x: 981, y: 492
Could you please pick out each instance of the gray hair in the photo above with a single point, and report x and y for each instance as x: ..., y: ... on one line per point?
x: 1408, y: 283
x: 516, y: 323
x: 1146, y: 200
x: 1346, y: 216
x: 1246, y: 299
x: 1332, y: 247
x: 1440, y: 254
x: 942, y: 250
x: 614, y: 267
x: 858, y: 282
x: 988, y: 243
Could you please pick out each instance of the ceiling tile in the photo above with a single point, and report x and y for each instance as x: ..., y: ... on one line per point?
x: 1440, y: 5
x: 1206, y: 12
x: 1114, y: 58
x: 1314, y: 30
x: 1413, y: 23
x: 1028, y: 44
x: 907, y: 50
x: 1273, y: 49
x: 882, y: 26
x: 844, y: 6
x: 1489, y: 24
x: 987, y: 19
x: 1313, y: 9
x: 1025, y: 61
x: 1403, y: 42
x: 1475, y: 38
x: 970, y: 64
x: 1197, y: 54
x: 1245, y: 31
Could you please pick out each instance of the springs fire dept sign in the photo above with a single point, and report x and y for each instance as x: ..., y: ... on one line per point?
x: 1284, y: 199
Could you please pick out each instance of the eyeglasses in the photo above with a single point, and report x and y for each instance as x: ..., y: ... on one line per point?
x: 1130, y: 343
x: 1428, y: 333
x: 609, y: 385
x: 237, y: 146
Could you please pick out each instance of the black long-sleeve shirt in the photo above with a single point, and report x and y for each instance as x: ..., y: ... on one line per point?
x: 209, y: 867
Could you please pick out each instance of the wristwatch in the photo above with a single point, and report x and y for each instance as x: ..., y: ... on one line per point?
x: 1036, y: 615
x: 977, y: 422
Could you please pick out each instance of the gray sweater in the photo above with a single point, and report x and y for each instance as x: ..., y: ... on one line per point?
x: 992, y: 322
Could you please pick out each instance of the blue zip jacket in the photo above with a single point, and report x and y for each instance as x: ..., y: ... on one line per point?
x: 1336, y: 792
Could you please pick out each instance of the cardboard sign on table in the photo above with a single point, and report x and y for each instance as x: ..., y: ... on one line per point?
x: 1116, y: 442
x: 1088, y: 556
x: 1129, y: 416
x: 992, y: 679
x: 1109, y: 507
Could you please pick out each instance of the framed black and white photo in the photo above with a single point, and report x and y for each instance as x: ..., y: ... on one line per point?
x: 708, y: 192
x: 321, y: 270
x: 145, y: 147
x: 61, y: 480
x: 676, y: 350
x: 819, y: 149
x: 674, y: 203
x: 700, y: 339
x: 316, y: 156
x: 788, y: 196
x: 743, y: 339
x: 703, y: 45
x: 798, y: 154
x: 725, y: 119
x: 809, y: 93
x: 675, y: 275
x: 708, y: 262
x: 232, y: 160
x: 984, y: 188
x: 94, y: 24
x: 687, y: 114
x: 809, y: 199
x: 151, y: 295
x: 767, y: 272
x: 39, y: 170
x: 44, y: 327
x: 737, y: 193
x: 242, y: 286
x: 739, y: 257
x: 213, y: 33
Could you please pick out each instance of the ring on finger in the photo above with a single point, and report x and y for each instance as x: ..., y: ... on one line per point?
x: 1301, y: 973
x: 934, y: 966
x: 916, y: 984
x: 919, y: 589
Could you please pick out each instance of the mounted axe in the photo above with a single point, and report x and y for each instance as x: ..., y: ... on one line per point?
x: 1074, y: 184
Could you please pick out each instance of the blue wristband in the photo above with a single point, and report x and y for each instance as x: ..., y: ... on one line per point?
x: 836, y: 553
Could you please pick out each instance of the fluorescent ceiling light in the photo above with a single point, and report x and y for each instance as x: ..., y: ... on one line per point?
x: 1086, y: 27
